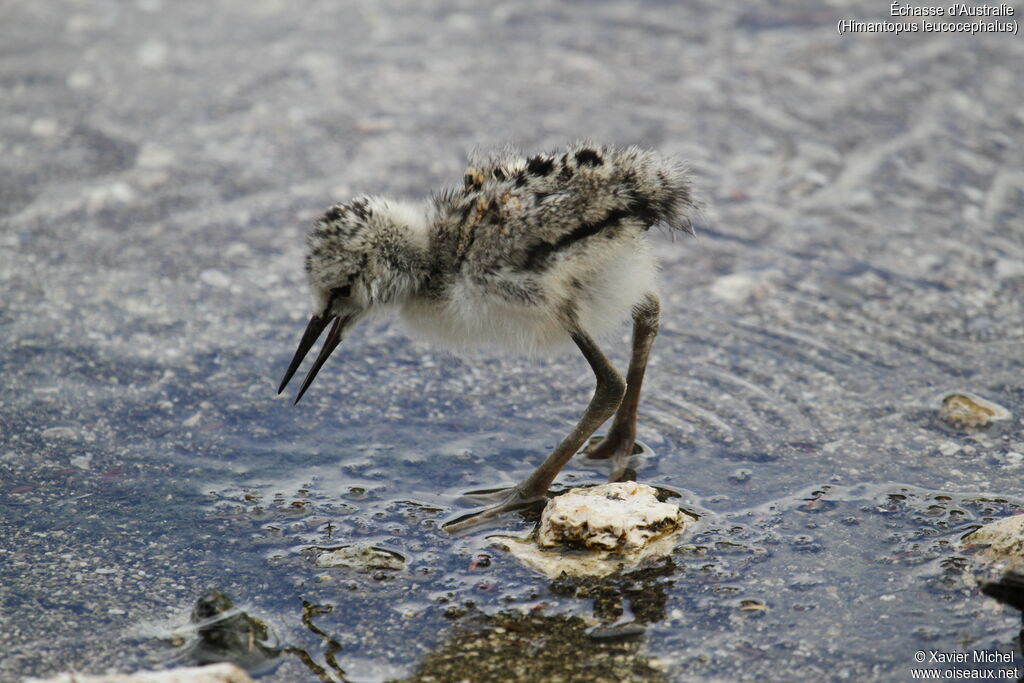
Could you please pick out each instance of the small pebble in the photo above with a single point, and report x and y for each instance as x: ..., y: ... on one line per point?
x: 964, y: 410
x: 44, y: 127
x: 363, y: 557
x: 215, y: 278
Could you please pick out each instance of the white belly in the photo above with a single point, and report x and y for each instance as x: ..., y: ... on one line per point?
x: 472, y: 317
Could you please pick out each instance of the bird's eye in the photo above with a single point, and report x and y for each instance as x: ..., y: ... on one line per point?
x: 344, y: 292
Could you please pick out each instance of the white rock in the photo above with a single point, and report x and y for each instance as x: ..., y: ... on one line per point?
x: 622, y: 524
x: 214, y: 673
x: 44, y: 127
x: 152, y: 54
x: 965, y: 410
x: 215, y: 278
x: 60, y: 433
x: 1004, y: 539
x: 82, y: 462
x: 80, y: 79
x: 153, y: 155
x: 739, y: 288
x: 623, y: 517
x: 105, y: 196
x: 1009, y: 268
x: 735, y: 288
x: 949, y: 448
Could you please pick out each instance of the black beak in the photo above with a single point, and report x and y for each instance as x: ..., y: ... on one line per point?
x: 313, y: 330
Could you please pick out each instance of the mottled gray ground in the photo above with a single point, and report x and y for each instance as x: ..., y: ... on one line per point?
x: 862, y: 253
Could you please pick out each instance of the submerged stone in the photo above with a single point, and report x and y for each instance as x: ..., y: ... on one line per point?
x: 225, y: 633
x: 512, y: 646
x: 361, y: 556
x: 964, y: 410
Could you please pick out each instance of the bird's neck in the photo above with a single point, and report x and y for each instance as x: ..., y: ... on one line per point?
x: 405, y: 253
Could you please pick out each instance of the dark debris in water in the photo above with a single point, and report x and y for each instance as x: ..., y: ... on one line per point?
x: 513, y: 646
x: 1007, y: 589
x: 780, y: 573
x: 225, y: 633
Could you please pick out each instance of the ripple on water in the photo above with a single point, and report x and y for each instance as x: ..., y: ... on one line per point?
x: 816, y: 572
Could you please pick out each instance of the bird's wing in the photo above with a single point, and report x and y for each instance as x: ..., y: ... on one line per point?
x: 524, y: 211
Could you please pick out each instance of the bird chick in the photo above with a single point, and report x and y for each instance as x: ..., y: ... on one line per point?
x: 530, y: 254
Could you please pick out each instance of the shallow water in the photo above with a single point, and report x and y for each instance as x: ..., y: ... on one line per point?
x: 861, y: 255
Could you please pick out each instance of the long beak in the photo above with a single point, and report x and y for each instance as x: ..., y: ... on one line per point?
x: 313, y: 330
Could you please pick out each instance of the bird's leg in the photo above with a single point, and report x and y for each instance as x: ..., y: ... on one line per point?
x: 607, y: 396
x: 617, y: 445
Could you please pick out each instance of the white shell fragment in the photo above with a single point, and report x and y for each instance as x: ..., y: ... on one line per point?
x: 622, y: 517
x: 618, y: 526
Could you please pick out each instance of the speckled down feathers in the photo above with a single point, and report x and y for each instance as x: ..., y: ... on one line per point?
x: 527, y: 249
x: 524, y: 211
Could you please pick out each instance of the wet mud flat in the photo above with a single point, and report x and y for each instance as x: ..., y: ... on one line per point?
x: 861, y: 259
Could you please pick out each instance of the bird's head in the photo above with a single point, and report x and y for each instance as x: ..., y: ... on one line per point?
x: 360, y: 257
